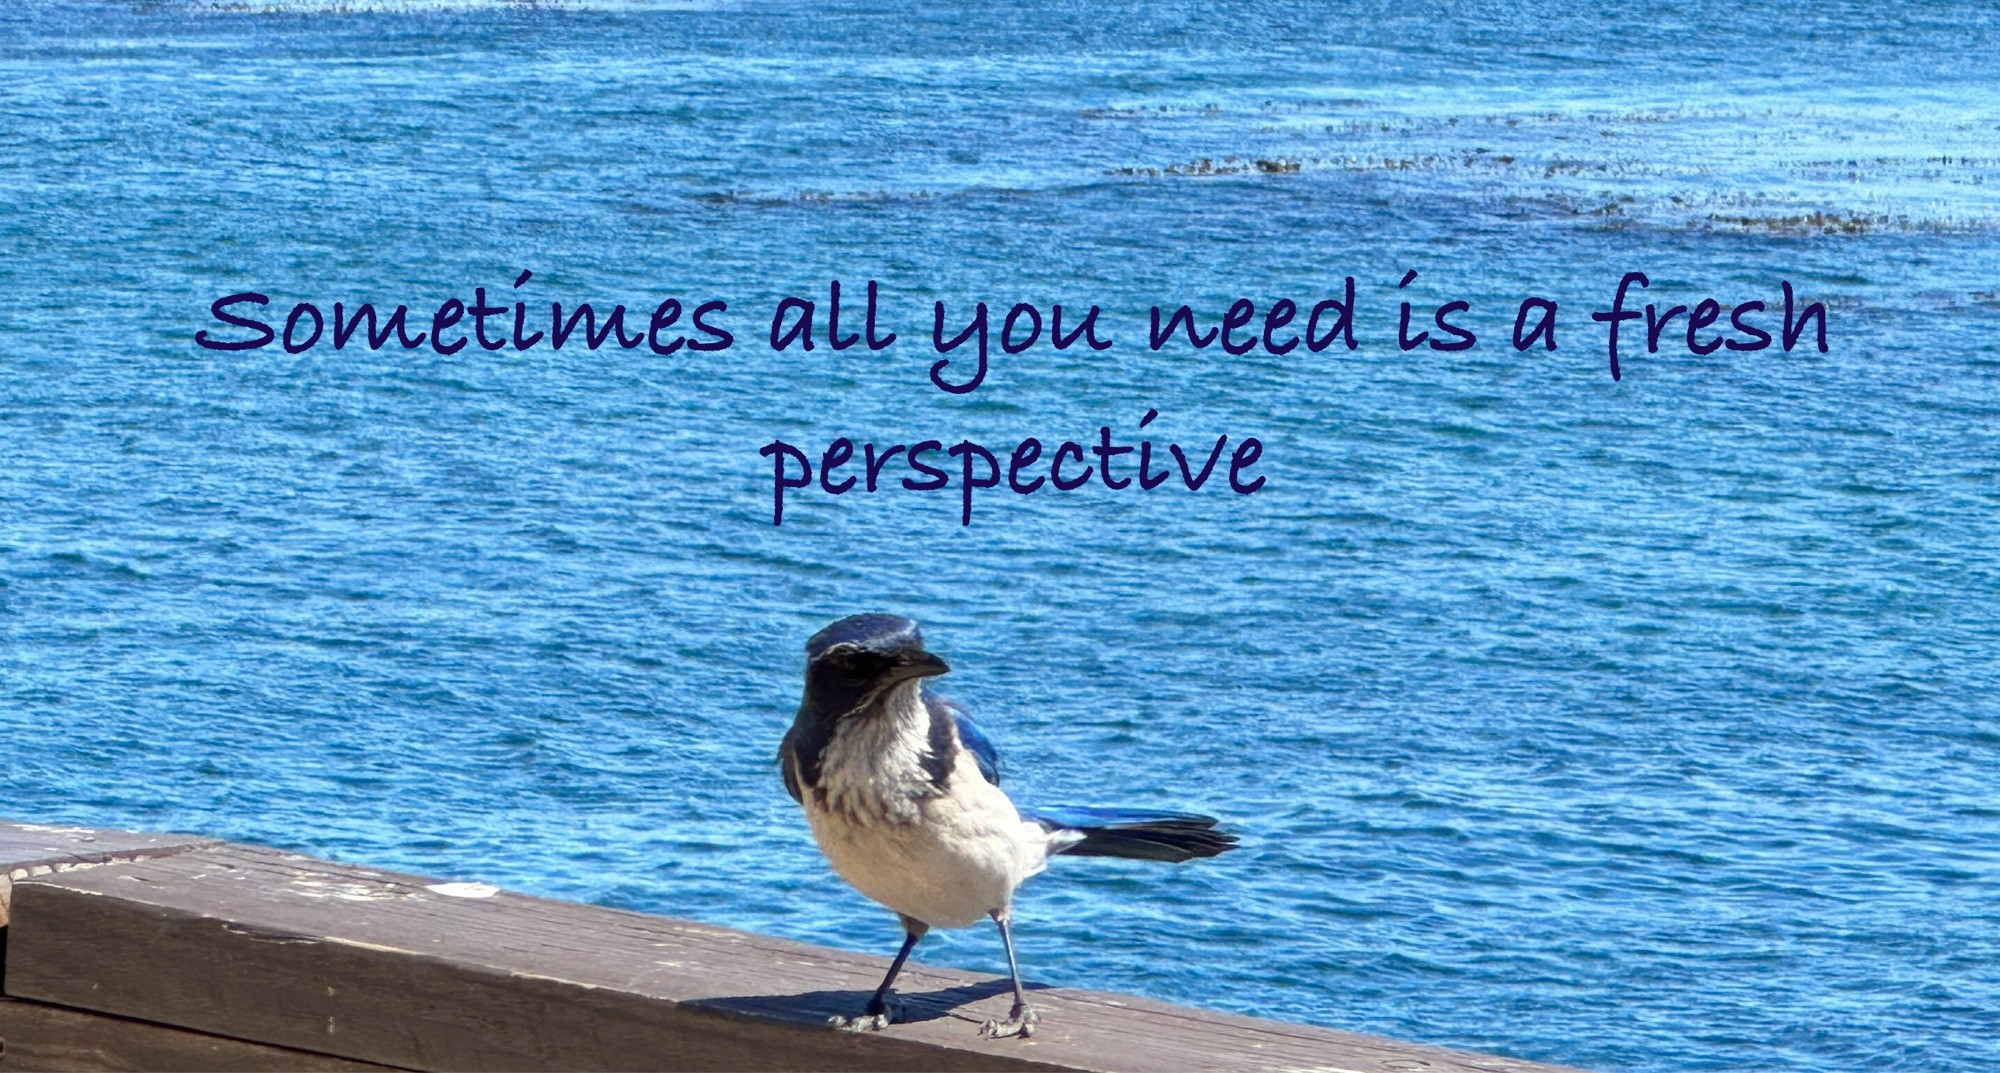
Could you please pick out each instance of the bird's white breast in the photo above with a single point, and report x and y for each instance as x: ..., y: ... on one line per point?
x: 945, y: 857
x: 872, y: 770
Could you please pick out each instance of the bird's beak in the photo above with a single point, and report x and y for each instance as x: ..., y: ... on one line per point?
x: 923, y: 666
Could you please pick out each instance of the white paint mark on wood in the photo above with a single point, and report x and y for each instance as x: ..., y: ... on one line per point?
x: 463, y: 890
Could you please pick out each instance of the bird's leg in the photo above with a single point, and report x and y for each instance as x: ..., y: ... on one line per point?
x: 879, y: 1005
x: 1021, y: 1022
x: 878, y: 1014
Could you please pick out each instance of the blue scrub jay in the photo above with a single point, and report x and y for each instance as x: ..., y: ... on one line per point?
x: 903, y: 794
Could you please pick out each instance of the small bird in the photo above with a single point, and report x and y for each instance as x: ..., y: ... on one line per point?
x: 903, y: 793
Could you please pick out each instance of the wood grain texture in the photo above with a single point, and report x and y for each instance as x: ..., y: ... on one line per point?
x: 38, y: 1037
x: 384, y: 968
x: 28, y: 849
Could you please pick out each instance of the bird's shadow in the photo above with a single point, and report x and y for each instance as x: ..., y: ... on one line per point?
x: 814, y: 1007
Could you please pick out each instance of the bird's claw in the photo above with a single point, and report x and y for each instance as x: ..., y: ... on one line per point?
x: 1021, y: 1022
x: 877, y: 1017
x: 867, y: 1022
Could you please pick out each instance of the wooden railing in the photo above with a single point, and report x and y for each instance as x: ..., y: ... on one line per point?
x: 156, y: 952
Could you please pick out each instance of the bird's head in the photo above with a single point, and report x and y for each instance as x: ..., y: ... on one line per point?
x: 857, y: 660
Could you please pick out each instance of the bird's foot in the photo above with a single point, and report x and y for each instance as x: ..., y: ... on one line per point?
x: 867, y: 1022
x: 877, y: 1017
x: 1021, y: 1022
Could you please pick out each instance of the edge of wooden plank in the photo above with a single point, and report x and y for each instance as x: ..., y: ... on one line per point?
x: 37, y: 1036
x: 28, y: 850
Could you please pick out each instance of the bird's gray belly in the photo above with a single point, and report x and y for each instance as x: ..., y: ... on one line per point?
x: 960, y: 862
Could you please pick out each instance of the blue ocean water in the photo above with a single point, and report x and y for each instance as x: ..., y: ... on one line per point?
x: 1639, y: 725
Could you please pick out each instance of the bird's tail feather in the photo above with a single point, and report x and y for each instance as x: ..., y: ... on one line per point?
x: 1139, y: 834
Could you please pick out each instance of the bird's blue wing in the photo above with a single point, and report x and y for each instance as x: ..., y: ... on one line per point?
x: 981, y: 746
x: 969, y: 735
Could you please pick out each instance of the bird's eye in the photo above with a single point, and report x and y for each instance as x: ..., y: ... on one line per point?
x: 861, y: 668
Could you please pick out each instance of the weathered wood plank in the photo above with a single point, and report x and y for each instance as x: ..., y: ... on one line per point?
x: 34, y: 1036
x: 28, y: 849
x: 392, y: 969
